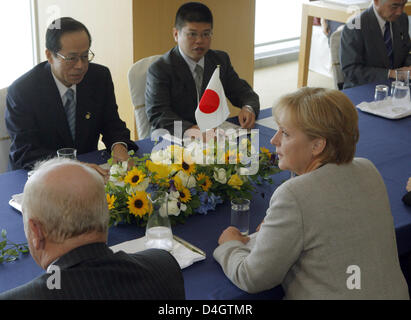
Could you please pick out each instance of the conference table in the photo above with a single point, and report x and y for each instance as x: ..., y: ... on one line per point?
x: 387, y: 143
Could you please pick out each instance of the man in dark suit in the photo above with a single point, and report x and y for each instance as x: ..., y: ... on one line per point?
x: 176, y: 82
x: 375, y: 44
x: 67, y: 237
x: 64, y: 102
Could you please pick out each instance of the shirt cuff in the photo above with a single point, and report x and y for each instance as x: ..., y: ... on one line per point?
x: 249, y: 108
x: 124, y: 144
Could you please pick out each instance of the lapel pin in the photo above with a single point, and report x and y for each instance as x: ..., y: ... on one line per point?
x: 88, y: 115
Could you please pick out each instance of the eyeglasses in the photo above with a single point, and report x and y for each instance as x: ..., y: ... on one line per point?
x: 194, y: 35
x: 74, y: 59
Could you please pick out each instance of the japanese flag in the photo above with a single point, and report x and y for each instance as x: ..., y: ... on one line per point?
x: 212, y: 109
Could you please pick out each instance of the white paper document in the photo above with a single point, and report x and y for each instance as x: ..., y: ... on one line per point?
x: 16, y: 200
x: 184, y: 256
x: 387, y: 108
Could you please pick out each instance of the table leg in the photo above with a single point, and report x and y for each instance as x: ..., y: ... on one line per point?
x: 305, y: 46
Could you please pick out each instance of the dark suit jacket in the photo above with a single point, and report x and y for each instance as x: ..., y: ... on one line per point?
x: 94, y: 272
x: 363, y: 54
x: 37, y: 123
x: 407, y: 198
x: 171, y: 93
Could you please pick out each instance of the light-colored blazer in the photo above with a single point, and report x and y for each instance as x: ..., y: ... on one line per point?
x: 319, y: 226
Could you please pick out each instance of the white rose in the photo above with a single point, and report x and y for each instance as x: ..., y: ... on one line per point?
x: 119, y: 168
x: 220, y: 175
x: 161, y: 156
x: 191, y: 183
x: 173, y: 209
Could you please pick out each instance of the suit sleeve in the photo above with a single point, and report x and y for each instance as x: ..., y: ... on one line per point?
x: 264, y: 264
x: 26, y: 147
x: 237, y: 90
x: 114, y: 129
x: 353, y: 59
x: 407, y: 198
x: 406, y: 34
x: 158, y: 99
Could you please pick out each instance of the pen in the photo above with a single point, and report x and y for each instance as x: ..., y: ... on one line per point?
x: 189, y: 245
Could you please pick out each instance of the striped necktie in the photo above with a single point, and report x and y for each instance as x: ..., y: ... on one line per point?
x: 70, y: 108
x: 388, y: 43
x: 198, y: 79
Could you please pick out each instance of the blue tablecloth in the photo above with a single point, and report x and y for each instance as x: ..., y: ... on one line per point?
x: 387, y: 143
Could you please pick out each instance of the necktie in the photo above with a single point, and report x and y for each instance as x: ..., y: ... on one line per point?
x: 70, y: 108
x: 198, y: 79
x: 388, y: 43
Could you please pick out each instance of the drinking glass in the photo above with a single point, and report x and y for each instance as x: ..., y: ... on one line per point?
x: 240, y: 215
x: 393, y: 84
x: 158, y: 229
x: 381, y: 92
x: 69, y: 153
x: 402, y: 89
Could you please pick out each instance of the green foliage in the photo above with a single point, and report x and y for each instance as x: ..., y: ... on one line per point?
x: 10, y: 251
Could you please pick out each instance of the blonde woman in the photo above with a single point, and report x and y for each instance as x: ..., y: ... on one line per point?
x: 328, y: 233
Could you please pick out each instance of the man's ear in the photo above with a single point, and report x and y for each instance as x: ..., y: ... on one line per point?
x: 175, y: 34
x: 49, y: 56
x: 319, y: 146
x: 38, y: 238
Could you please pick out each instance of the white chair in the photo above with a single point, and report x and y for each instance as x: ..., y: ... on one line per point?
x: 335, y: 58
x: 4, y: 135
x: 137, y: 84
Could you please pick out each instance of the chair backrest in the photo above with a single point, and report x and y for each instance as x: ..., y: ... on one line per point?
x: 4, y: 135
x: 137, y: 84
x: 335, y: 58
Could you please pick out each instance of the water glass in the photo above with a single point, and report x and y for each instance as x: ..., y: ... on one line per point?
x: 240, y: 215
x: 381, y: 92
x: 69, y: 153
x: 393, y: 84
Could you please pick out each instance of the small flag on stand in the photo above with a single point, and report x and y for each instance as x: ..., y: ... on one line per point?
x: 212, y: 109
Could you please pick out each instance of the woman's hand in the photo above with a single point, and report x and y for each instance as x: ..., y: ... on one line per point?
x: 232, y: 233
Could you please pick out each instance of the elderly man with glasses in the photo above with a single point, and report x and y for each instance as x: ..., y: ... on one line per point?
x: 177, y: 80
x: 63, y: 102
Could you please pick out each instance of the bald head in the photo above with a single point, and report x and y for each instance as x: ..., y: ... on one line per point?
x: 67, y: 197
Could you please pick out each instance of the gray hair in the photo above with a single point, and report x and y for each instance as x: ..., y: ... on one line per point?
x: 65, y: 207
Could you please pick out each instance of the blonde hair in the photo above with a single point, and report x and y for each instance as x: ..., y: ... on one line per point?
x: 323, y: 113
x: 66, y: 210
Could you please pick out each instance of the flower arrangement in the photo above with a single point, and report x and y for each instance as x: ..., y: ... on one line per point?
x: 196, y: 179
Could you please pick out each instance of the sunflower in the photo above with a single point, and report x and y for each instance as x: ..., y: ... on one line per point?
x: 265, y: 151
x: 204, y: 181
x: 187, y: 166
x: 185, y: 195
x: 134, y: 177
x: 138, y: 204
x: 110, y: 201
x: 231, y: 155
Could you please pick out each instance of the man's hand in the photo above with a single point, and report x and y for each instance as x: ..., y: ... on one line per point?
x: 104, y: 173
x: 246, y: 119
x: 196, y: 133
x: 392, y: 72
x: 232, y: 233
x: 408, y: 187
x: 120, y: 153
